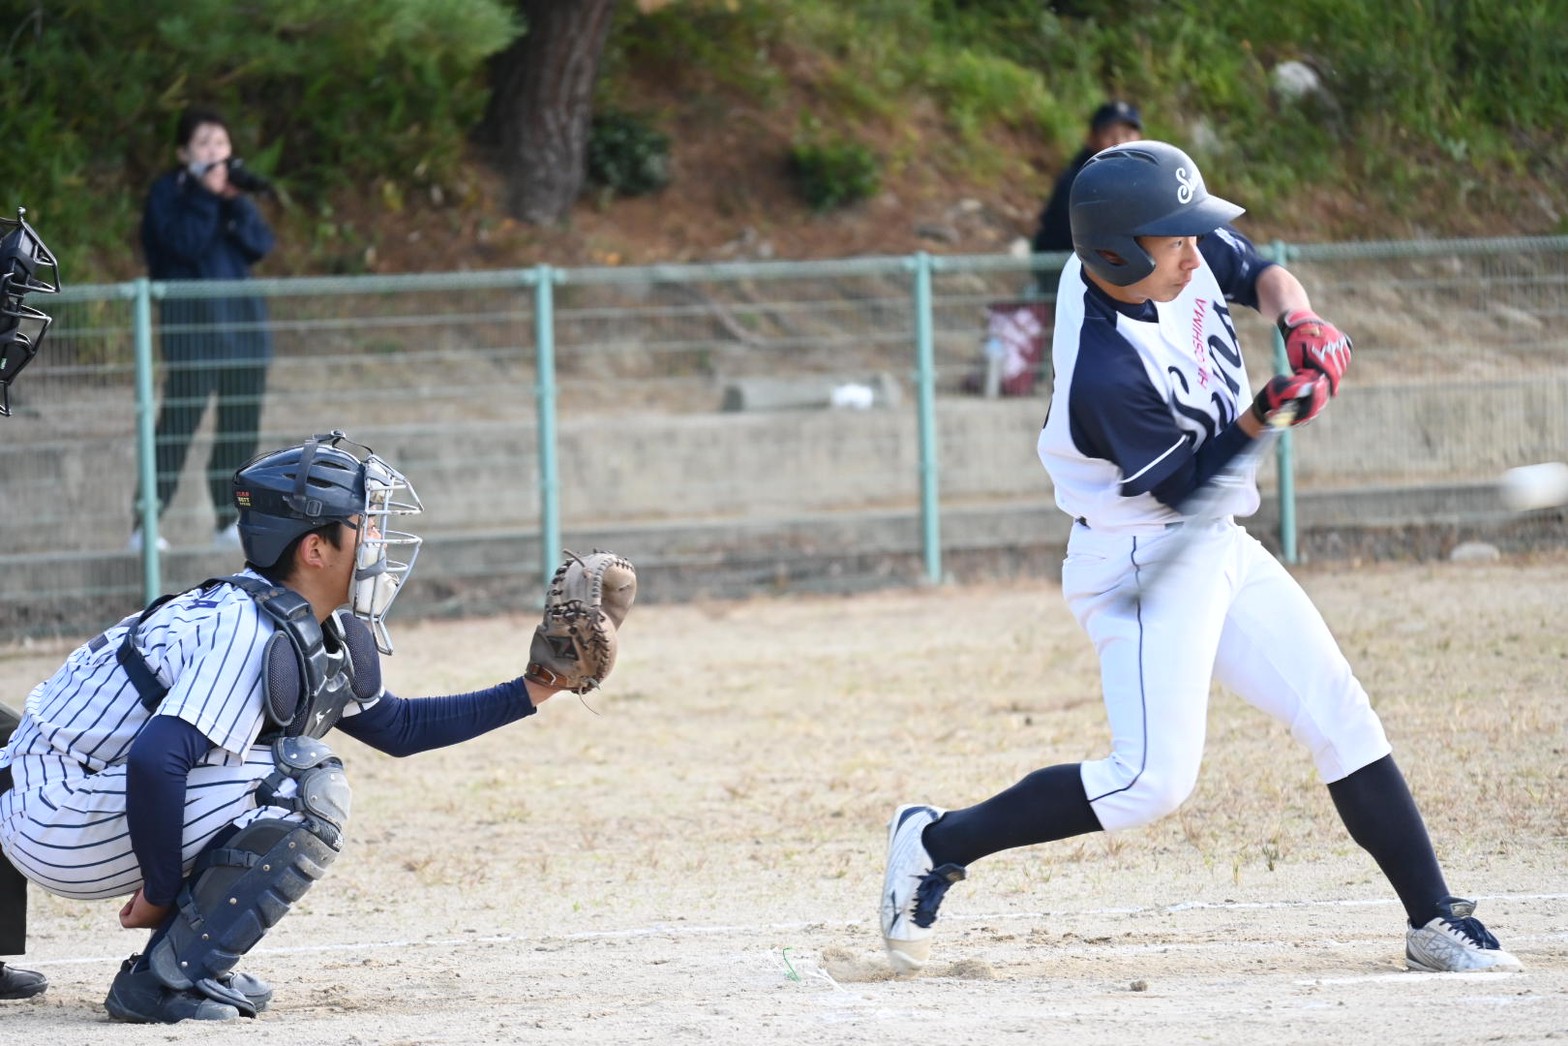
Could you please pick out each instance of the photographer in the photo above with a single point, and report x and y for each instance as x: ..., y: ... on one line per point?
x: 201, y: 223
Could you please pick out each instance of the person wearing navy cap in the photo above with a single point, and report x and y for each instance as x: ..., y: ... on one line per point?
x: 1114, y: 123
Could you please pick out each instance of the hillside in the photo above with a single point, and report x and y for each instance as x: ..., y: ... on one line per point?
x: 1397, y: 121
x: 730, y: 198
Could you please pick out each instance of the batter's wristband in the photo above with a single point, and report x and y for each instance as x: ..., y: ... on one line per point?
x: 1305, y: 316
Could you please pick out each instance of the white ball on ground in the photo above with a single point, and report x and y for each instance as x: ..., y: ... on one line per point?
x: 1535, y: 486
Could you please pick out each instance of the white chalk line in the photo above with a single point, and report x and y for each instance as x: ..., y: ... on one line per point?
x: 1409, y: 977
x: 673, y: 930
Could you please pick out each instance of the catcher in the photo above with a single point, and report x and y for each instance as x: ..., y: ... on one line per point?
x: 179, y: 756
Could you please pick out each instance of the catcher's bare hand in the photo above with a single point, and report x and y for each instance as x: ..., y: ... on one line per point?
x: 141, y: 914
x: 575, y: 645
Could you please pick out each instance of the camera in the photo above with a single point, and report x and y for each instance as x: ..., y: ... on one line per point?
x: 246, y: 180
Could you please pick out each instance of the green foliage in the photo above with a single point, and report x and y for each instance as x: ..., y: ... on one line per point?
x: 1466, y: 83
x: 375, y: 98
x: 978, y: 91
x: 833, y: 172
x: 626, y: 155
x: 320, y: 94
x: 710, y: 44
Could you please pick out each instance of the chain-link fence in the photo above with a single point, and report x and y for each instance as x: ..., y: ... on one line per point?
x: 757, y: 426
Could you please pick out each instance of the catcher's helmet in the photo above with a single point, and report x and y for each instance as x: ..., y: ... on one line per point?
x: 26, y: 266
x: 1144, y: 188
x: 284, y: 494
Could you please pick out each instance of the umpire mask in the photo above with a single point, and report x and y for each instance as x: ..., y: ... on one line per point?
x: 26, y: 267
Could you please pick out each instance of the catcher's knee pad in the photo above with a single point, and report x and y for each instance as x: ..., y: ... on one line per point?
x: 239, y: 890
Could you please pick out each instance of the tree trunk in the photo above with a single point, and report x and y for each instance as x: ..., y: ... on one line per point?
x: 541, y: 104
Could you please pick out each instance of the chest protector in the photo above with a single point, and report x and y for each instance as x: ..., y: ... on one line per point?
x: 309, y: 672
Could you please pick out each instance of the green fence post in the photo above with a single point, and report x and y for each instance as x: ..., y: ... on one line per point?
x: 1284, y: 453
x: 925, y: 383
x: 146, y: 453
x: 544, y: 392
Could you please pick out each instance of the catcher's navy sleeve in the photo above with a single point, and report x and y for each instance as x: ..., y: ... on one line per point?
x: 156, y: 767
x: 402, y: 727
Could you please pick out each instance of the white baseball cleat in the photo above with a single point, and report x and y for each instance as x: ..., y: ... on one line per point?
x: 1455, y: 942
x: 911, y: 889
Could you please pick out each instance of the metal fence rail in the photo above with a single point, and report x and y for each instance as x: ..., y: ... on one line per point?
x: 773, y: 425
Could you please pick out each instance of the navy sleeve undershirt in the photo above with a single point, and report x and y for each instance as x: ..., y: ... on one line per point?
x: 400, y: 726
x: 159, y: 761
x: 1199, y: 468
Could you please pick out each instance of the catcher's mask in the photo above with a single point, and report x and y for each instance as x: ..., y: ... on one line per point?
x: 1144, y: 188
x: 26, y: 267
x: 284, y: 494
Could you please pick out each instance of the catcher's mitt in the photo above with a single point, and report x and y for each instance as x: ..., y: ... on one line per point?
x: 574, y: 646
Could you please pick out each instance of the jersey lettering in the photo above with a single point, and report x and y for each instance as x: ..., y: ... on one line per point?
x: 1227, y: 350
x: 1218, y: 347
x: 1222, y: 311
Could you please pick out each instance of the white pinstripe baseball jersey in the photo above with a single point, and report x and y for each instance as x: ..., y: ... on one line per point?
x: 63, y: 823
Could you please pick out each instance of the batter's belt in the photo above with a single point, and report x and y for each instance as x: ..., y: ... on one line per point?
x: 1135, y: 528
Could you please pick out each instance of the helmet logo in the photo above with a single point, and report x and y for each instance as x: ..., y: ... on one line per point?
x: 1184, y: 192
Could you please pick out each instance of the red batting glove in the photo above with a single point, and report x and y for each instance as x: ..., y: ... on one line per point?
x: 1311, y: 341
x: 1291, y: 399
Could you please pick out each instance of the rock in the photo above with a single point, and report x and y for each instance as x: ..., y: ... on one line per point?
x: 1295, y: 80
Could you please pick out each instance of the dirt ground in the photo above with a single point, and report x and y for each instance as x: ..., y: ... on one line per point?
x: 694, y: 853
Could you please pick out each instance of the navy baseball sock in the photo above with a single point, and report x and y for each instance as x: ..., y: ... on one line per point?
x: 143, y: 959
x: 1376, y: 805
x: 1048, y: 804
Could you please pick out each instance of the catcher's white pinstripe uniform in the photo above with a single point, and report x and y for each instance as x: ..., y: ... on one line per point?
x: 63, y: 823
x: 139, y: 766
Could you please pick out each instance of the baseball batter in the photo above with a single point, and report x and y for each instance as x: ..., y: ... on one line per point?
x: 1151, y: 404
x: 178, y: 756
x: 26, y: 267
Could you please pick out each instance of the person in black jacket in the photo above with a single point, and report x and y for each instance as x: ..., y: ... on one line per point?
x: 199, y: 225
x: 1114, y: 123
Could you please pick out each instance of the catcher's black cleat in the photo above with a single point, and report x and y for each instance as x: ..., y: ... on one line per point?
x: 139, y: 997
x: 20, y: 984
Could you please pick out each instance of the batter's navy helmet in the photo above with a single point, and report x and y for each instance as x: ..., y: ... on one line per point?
x: 1144, y: 188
